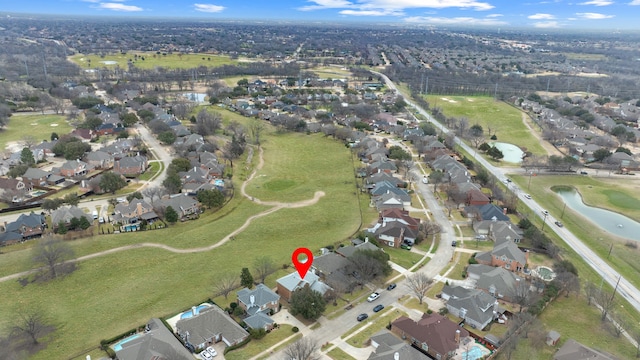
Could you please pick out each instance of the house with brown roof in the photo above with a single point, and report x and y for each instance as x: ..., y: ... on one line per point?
x: 13, y: 189
x: 433, y: 334
x: 72, y: 168
x: 402, y: 216
x: 395, y: 233
x: 130, y: 165
x: 132, y: 212
x: 505, y: 254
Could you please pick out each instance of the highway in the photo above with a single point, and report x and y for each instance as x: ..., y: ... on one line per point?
x: 627, y: 290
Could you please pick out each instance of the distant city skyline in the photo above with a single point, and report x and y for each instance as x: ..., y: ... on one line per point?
x: 549, y: 14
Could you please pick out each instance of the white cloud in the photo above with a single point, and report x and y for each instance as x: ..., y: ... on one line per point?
x: 394, y: 6
x: 597, y: 3
x: 541, y: 17
x: 454, y: 21
x: 594, y: 16
x: 118, y: 7
x: 547, y: 24
x: 371, y: 12
x: 494, y: 15
x: 210, y: 8
x: 634, y: 2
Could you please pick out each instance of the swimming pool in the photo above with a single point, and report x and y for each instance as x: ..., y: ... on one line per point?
x: 118, y: 345
x: 131, y: 227
x: 188, y: 314
x: 474, y: 353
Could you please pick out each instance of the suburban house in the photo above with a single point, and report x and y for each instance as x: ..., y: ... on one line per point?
x: 132, y: 212
x: 386, y: 187
x: 209, y: 326
x: 85, y: 135
x: 99, y: 159
x: 401, y: 216
x: 28, y: 226
x: 72, y: 168
x: 287, y: 284
x: 182, y: 203
x: 573, y: 350
x: 348, y: 251
x: 474, y: 306
x: 395, y: 233
x: 260, y: 299
x: 386, y: 345
x: 13, y: 189
x: 130, y: 165
x: 496, y: 281
x: 64, y: 214
x: 505, y: 254
x: 486, y: 212
x: 157, y: 342
x: 433, y: 334
x: 39, y: 177
x: 333, y: 269
x: 498, y: 231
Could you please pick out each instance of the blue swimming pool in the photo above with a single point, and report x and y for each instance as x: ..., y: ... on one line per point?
x: 474, y: 353
x: 131, y: 227
x: 188, y: 314
x: 118, y: 345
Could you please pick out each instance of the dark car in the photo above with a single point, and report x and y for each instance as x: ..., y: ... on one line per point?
x: 378, y: 308
x: 362, y: 317
x: 559, y: 224
x: 454, y: 243
x: 391, y: 286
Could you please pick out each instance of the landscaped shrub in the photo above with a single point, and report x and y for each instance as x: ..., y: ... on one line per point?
x: 257, y: 333
x: 295, y: 329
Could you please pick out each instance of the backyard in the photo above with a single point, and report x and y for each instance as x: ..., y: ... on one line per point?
x: 39, y: 127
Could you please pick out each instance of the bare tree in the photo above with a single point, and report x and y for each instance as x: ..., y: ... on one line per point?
x: 264, y: 266
x: 618, y: 323
x: 31, y: 323
x: 225, y: 284
x: 154, y: 192
x: 606, y: 302
x: 510, y: 346
x: 303, y: 349
x: 29, y: 140
x: 636, y: 337
x: 568, y: 282
x: 256, y: 128
x: 207, y: 123
x: 419, y: 283
x: 51, y: 253
x: 522, y: 295
x: 590, y: 291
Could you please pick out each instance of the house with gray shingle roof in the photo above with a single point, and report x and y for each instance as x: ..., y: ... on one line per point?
x: 27, y: 225
x: 182, y: 203
x: 133, y: 211
x: 210, y: 326
x: 476, y: 307
x: 386, y: 345
x: 573, y: 350
x: 496, y: 281
x: 505, y: 254
x: 157, y: 342
x: 99, y: 159
x: 260, y: 299
x: 64, y: 214
x: 289, y: 283
x: 130, y: 165
x: 259, y: 320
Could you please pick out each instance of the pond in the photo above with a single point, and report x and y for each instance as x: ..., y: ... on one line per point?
x: 511, y: 152
x: 609, y: 221
x: 197, y: 97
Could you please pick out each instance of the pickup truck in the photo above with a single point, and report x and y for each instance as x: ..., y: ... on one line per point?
x: 373, y: 297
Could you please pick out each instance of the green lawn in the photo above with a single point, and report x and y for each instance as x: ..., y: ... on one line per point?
x: 255, y: 347
x: 110, y: 294
x: 39, y: 127
x: 152, y: 170
x: 151, y: 60
x: 485, y: 111
x: 403, y: 257
x: 339, y: 354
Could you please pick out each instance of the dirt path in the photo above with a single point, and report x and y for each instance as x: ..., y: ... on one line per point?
x: 551, y: 150
x: 276, y: 206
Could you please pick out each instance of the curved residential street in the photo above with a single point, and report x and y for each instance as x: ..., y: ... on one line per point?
x: 627, y: 290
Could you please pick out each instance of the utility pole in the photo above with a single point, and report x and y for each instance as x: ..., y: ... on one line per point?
x: 548, y: 86
x: 564, y: 207
x: 426, y: 87
x: 422, y: 84
x: 616, y: 288
x: 495, y: 92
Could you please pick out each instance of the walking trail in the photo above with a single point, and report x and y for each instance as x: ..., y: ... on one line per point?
x: 276, y: 206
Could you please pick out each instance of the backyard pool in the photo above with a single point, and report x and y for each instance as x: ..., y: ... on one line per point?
x: 472, y: 354
x: 118, y: 345
x: 131, y: 227
x: 36, y: 193
x: 545, y: 273
x: 188, y: 314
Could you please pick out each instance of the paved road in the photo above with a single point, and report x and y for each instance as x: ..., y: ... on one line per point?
x: 159, y: 151
x: 628, y: 291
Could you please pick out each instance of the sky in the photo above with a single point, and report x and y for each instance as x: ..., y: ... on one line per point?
x: 546, y: 14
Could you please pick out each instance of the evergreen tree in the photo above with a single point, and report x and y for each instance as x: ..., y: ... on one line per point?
x: 171, y: 215
x: 246, y: 279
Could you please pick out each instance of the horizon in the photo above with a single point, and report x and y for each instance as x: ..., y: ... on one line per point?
x: 555, y: 15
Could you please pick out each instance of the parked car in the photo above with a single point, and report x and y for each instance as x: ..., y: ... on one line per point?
x: 527, y: 196
x: 205, y: 355
x: 212, y: 351
x: 425, y: 180
x: 454, y: 243
x: 362, y: 317
x: 584, y: 173
x: 378, y: 308
x: 405, y: 246
x: 545, y: 212
x: 373, y: 297
x: 391, y: 286
x: 559, y: 224
x: 101, y: 220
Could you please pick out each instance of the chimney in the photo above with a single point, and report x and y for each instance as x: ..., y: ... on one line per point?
x: 194, y: 310
x: 396, y: 356
x: 457, y: 338
x: 252, y: 300
x: 509, y: 226
x: 504, y: 211
x: 139, y: 208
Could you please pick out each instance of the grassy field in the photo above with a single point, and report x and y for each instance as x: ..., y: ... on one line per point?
x: 39, y: 127
x: 122, y: 290
x: 339, y: 354
x: 504, y: 119
x: 402, y: 257
x: 152, y: 170
x: 151, y: 60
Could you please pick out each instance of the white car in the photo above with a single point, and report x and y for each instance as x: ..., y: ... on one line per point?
x: 205, y: 355
x: 212, y: 351
x: 425, y: 180
x: 527, y: 196
x: 373, y: 297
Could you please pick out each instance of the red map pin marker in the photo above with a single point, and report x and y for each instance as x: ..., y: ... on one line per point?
x: 302, y: 266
